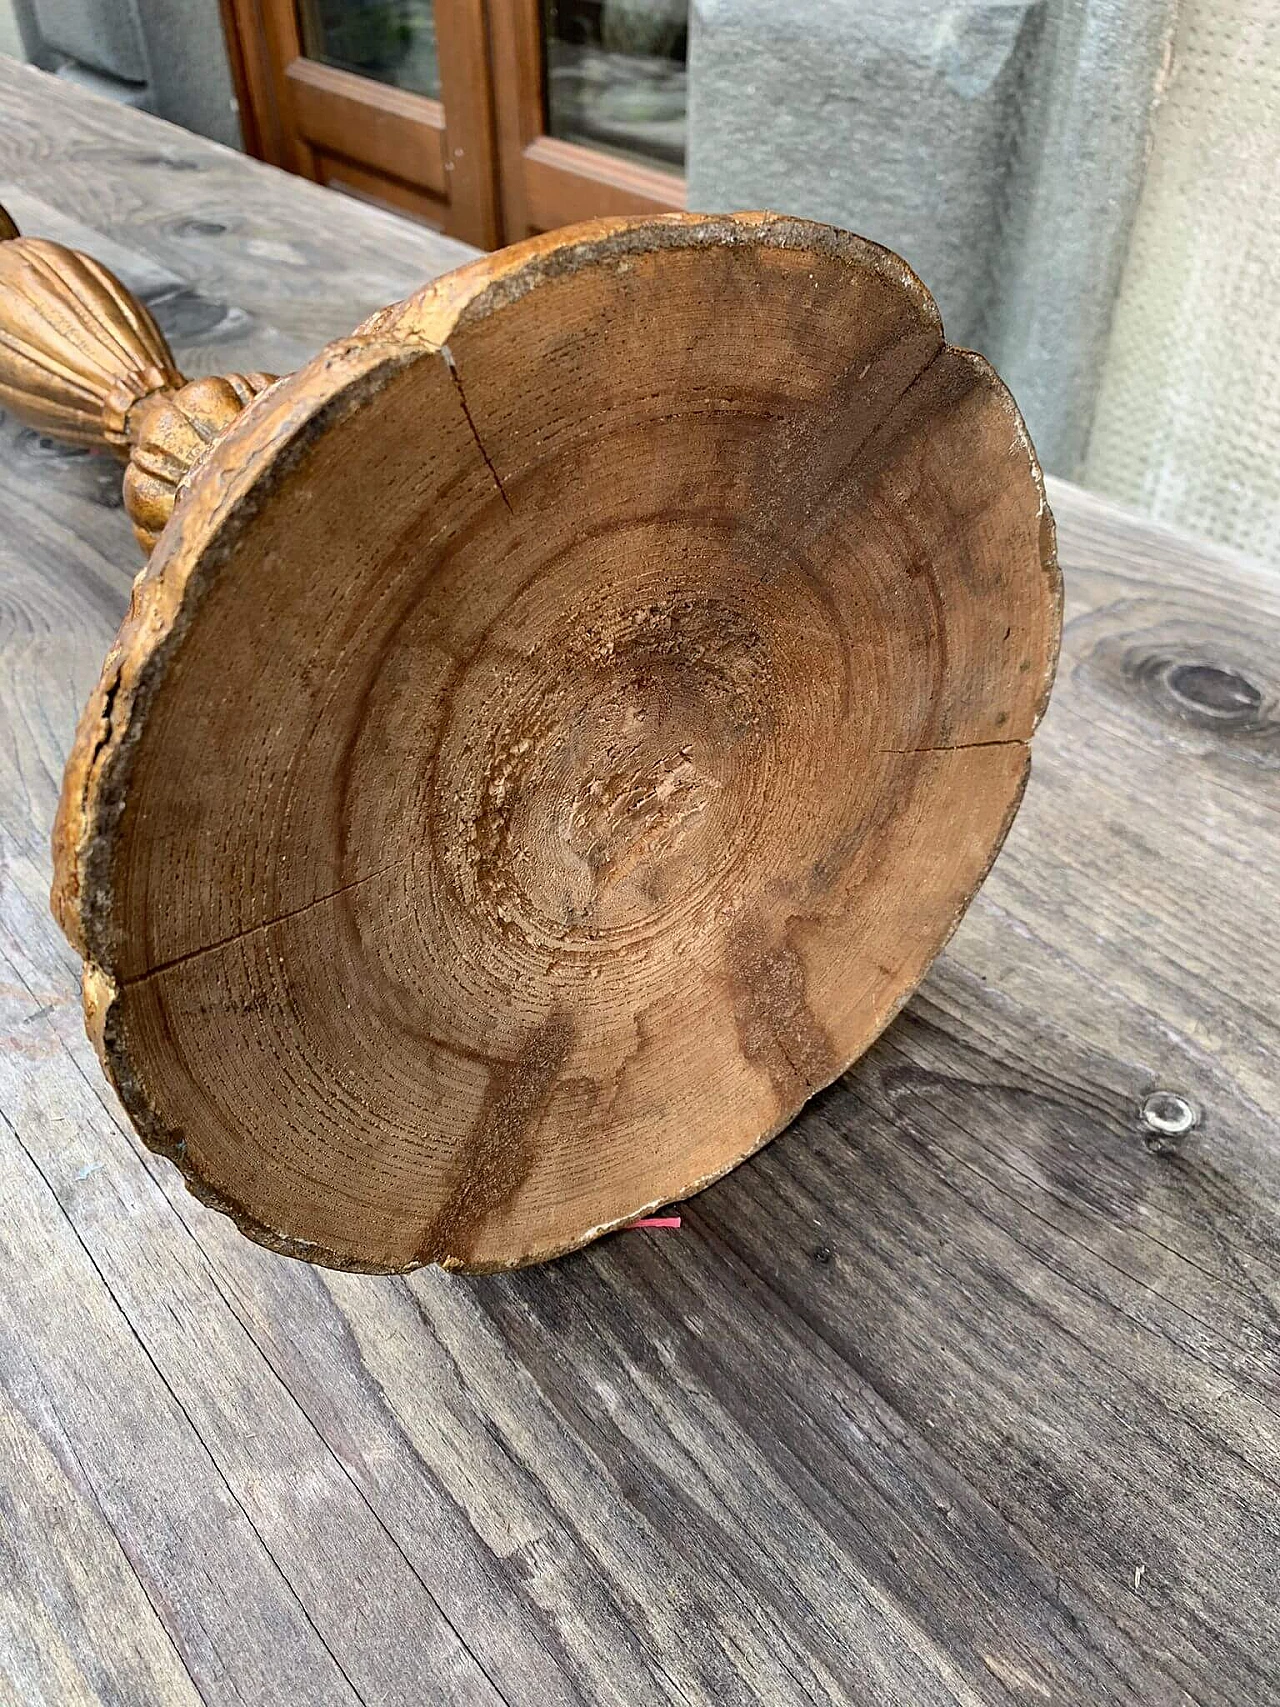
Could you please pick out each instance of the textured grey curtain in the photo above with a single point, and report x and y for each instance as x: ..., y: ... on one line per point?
x: 999, y: 147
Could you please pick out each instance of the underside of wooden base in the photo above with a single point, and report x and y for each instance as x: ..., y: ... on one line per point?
x: 555, y: 732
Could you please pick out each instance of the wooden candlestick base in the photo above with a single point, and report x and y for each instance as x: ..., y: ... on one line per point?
x: 554, y: 733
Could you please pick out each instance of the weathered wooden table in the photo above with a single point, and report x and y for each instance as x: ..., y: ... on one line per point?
x: 964, y: 1390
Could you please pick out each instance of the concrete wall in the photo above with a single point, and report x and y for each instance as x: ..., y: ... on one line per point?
x: 997, y: 145
x: 10, y: 40
x: 165, y: 56
x: 1188, y: 419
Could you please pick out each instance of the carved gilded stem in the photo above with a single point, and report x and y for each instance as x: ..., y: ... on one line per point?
x: 82, y: 360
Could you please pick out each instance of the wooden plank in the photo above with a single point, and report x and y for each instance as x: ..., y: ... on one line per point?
x: 76, y: 1623
x: 964, y: 1390
x: 515, y: 55
x: 83, y: 1393
x: 292, y: 260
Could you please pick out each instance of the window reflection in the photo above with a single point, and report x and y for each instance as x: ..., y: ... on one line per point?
x: 615, y: 76
x: 392, y: 41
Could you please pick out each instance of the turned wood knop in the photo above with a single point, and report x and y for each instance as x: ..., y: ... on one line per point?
x: 82, y: 360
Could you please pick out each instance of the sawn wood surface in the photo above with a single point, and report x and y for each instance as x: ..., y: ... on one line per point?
x: 963, y: 1390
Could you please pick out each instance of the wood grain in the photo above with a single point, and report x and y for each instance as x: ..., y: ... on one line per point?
x: 963, y: 1391
x: 462, y: 49
x: 542, y: 752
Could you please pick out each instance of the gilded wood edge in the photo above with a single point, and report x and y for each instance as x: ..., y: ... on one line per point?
x: 492, y: 282
x: 259, y: 450
x: 223, y: 494
x: 1050, y: 568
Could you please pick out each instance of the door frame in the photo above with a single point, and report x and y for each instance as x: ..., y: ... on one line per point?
x: 545, y: 182
x: 478, y: 163
x: 433, y: 158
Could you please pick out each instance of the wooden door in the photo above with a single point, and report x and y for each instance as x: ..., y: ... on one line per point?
x: 387, y: 99
x: 589, y: 97
x: 490, y: 119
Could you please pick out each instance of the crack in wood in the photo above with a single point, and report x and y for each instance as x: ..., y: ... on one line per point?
x: 957, y: 746
x: 456, y: 377
x: 252, y: 930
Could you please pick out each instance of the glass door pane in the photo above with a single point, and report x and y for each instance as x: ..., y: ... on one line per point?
x: 615, y: 76
x: 392, y: 41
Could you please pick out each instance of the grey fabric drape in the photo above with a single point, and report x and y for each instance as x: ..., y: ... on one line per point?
x: 999, y: 147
